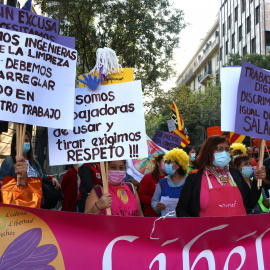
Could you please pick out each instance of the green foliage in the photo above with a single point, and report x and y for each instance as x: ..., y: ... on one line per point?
x: 143, y: 33
x: 256, y: 59
x: 199, y: 110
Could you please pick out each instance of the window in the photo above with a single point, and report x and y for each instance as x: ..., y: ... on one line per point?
x: 233, y: 40
x: 248, y: 25
x: 12, y: 3
x: 251, y: 1
x: 217, y: 78
x: 229, y: 22
x: 220, y: 53
x: 226, y: 48
x: 236, y: 14
x: 257, y: 14
x: 240, y: 33
x: 243, y: 5
x: 217, y: 59
x: 223, y: 29
x: 253, y: 45
x: 245, y: 50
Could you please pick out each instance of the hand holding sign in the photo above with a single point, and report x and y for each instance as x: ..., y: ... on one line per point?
x: 91, y: 82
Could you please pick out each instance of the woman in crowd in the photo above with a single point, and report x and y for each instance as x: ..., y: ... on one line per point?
x: 90, y: 175
x: 28, y: 162
x: 33, y: 170
x: 122, y: 197
x: 236, y: 150
x: 216, y: 189
x: 244, y: 164
x: 191, y: 151
x: 70, y: 187
x: 148, y: 186
x: 169, y: 188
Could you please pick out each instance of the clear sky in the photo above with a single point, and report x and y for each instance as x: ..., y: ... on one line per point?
x: 200, y: 14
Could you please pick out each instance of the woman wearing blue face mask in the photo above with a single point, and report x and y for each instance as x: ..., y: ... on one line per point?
x: 244, y: 164
x: 28, y: 164
x: 191, y: 151
x: 216, y: 189
x: 169, y: 188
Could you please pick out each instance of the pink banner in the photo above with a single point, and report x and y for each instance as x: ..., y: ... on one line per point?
x: 45, y: 239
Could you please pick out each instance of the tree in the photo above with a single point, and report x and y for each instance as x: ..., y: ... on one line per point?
x: 199, y: 110
x: 143, y: 33
x: 256, y: 59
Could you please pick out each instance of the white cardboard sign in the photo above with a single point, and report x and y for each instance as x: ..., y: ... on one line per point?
x: 108, y: 125
x: 229, y: 88
x: 171, y: 125
x: 37, y: 80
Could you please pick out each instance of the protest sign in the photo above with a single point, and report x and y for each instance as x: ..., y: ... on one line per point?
x: 108, y: 125
x: 35, y: 76
x: 253, y: 101
x: 166, y: 140
x: 211, y: 131
x: 229, y: 85
x: 138, y: 168
x: 125, y: 76
x: 171, y: 125
x: 27, y: 22
x: 61, y: 240
x: 20, y: 20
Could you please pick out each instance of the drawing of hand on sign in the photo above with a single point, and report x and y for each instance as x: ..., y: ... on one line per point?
x: 91, y: 82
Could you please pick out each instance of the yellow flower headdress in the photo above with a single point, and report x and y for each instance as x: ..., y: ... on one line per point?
x: 238, y: 147
x: 179, y: 156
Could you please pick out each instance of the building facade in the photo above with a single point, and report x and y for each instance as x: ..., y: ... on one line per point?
x: 204, y: 65
x: 244, y: 27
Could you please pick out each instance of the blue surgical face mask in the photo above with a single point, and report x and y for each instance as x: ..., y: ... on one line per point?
x: 168, y: 169
x: 26, y: 148
x: 79, y: 165
x: 247, y: 171
x: 192, y: 156
x: 222, y: 159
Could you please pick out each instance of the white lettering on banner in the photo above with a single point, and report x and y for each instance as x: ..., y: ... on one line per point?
x: 107, y: 256
x: 207, y: 254
x: 259, y: 251
x: 238, y: 250
x: 161, y: 258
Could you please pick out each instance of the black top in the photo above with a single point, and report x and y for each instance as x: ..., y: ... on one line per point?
x: 189, y: 201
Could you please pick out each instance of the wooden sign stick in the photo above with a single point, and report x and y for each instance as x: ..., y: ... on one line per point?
x: 18, y: 147
x: 259, y: 183
x: 105, y: 184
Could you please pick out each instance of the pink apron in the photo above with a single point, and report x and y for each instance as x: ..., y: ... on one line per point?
x: 124, y: 202
x: 225, y: 201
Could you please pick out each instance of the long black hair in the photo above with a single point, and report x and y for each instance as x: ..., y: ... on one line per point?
x: 30, y: 155
x: 155, y: 172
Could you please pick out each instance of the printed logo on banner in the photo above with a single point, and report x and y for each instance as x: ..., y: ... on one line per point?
x: 108, y: 125
x: 32, y: 87
x: 20, y: 231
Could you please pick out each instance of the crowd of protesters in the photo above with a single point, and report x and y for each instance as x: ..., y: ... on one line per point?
x: 218, y: 180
